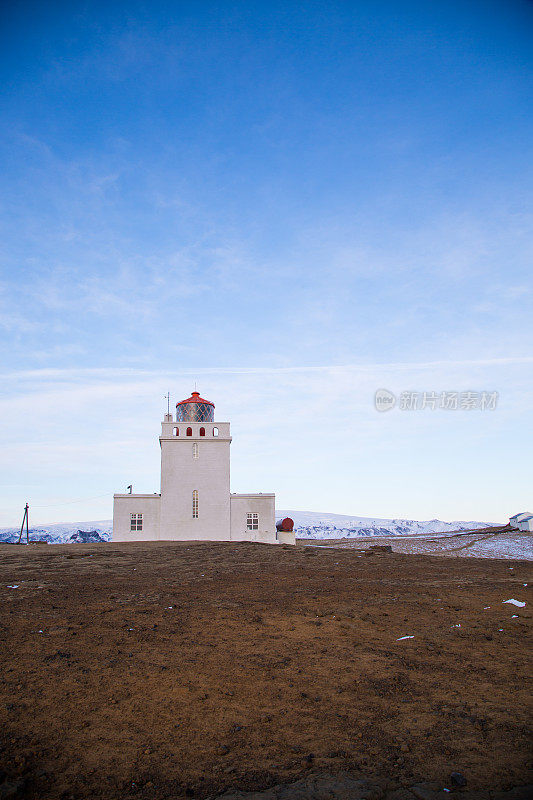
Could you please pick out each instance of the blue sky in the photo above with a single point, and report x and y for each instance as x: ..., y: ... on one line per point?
x: 293, y: 204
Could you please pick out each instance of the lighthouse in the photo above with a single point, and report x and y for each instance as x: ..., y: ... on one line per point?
x: 195, y: 473
x: 195, y: 501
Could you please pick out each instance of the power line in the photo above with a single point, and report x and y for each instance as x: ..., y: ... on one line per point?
x: 71, y: 502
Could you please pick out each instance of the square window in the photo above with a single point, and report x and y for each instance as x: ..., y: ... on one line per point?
x: 136, y: 522
x: 252, y: 521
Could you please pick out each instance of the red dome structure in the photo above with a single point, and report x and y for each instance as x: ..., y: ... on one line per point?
x: 195, y: 409
x: 285, y: 525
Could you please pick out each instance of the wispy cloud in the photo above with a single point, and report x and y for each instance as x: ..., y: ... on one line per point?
x: 97, y: 431
x: 53, y: 374
x: 293, y: 219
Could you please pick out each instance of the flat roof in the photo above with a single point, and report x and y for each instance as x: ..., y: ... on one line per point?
x: 127, y: 494
x: 253, y: 494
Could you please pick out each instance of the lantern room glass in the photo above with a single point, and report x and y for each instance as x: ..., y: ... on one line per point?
x: 195, y: 412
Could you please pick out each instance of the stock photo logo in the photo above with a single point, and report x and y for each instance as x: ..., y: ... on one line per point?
x: 385, y: 400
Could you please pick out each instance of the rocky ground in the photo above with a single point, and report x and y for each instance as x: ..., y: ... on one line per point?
x: 173, y: 670
x: 493, y: 542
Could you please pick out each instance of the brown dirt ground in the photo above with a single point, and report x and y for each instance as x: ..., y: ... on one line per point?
x: 268, y: 654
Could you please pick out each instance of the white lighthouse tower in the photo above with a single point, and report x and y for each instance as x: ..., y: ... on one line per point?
x: 195, y: 473
x: 195, y: 500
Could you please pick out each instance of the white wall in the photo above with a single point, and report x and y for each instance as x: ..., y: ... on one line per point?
x: 515, y: 521
x: 209, y: 474
x: 126, y: 504
x: 286, y: 537
x: 262, y: 504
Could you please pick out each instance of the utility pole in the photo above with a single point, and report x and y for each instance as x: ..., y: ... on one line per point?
x: 25, y: 520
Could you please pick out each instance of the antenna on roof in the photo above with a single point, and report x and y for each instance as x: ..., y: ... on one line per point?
x: 167, y: 398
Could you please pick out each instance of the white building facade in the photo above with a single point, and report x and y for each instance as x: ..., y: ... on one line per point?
x: 525, y: 524
x: 515, y: 520
x: 195, y: 502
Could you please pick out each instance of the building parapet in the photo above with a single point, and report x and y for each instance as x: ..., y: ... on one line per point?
x: 253, y: 494
x: 153, y: 496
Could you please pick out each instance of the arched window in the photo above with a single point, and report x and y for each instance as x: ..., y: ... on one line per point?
x: 176, y: 431
x: 195, y: 450
x: 215, y: 431
x: 189, y: 431
x: 195, y: 504
x: 202, y: 431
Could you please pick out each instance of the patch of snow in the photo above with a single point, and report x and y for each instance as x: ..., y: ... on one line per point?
x: 404, y: 637
x: 514, y: 602
x: 13, y: 586
x: 504, y: 545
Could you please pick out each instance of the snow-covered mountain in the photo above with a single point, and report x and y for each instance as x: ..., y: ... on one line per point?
x: 317, y: 525
x: 62, y: 533
x: 308, y: 525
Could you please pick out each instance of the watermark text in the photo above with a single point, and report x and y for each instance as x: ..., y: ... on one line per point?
x: 385, y: 400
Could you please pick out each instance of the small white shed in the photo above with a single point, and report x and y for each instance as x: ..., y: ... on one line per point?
x: 526, y: 524
x: 513, y: 521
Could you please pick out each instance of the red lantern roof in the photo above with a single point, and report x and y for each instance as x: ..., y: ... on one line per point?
x: 195, y: 398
